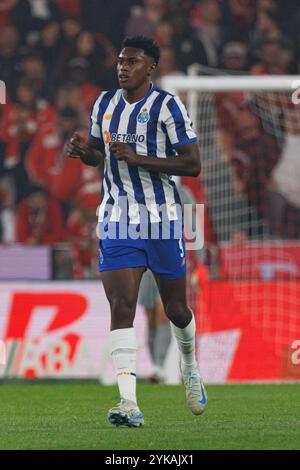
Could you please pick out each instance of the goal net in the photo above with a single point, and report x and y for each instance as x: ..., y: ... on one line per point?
x: 249, y: 136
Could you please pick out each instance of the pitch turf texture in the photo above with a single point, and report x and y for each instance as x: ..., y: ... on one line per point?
x: 73, y: 416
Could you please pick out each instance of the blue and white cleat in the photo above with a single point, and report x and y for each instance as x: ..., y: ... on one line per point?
x: 126, y: 413
x: 194, y: 390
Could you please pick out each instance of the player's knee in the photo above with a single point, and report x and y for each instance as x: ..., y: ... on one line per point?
x: 122, y: 309
x: 178, y: 312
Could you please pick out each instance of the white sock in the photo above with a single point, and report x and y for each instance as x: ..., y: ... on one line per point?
x: 185, y: 338
x: 123, y: 353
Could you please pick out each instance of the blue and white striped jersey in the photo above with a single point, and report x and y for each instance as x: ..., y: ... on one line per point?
x: 153, y: 127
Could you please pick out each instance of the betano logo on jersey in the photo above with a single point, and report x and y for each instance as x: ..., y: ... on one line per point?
x: 127, y: 138
x: 144, y: 116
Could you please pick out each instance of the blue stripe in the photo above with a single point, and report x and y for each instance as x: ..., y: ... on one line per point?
x: 188, y: 140
x: 169, y: 148
x: 113, y: 127
x: 152, y: 147
x: 102, y: 109
x: 179, y: 120
x: 133, y: 171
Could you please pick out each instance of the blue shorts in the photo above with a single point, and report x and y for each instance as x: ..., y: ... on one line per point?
x: 166, y: 258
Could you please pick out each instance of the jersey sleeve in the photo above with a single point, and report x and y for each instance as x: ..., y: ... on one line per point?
x: 177, y: 123
x: 95, y: 130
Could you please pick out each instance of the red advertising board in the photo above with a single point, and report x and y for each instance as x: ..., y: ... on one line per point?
x: 247, y: 331
x: 257, y: 260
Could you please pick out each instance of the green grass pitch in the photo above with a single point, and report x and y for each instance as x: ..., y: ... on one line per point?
x: 73, y: 416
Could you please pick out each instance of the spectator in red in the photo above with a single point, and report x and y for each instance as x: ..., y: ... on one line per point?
x: 81, y: 232
x: 70, y: 8
x: 251, y: 150
x: 5, y: 11
x: 7, y: 213
x: 20, y: 122
x: 46, y: 162
x: 62, y: 177
x: 39, y: 219
x: 79, y: 74
x: 276, y: 57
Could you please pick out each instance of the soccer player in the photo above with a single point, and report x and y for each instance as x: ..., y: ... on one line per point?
x: 144, y: 135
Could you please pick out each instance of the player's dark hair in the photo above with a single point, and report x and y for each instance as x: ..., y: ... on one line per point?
x: 148, y: 45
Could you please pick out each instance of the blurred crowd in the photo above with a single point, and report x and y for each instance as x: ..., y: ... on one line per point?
x: 57, y: 55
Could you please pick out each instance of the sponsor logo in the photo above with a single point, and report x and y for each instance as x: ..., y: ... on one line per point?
x: 144, y: 116
x: 108, y: 116
x: 126, y: 138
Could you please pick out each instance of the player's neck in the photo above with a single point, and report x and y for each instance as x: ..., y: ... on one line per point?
x: 132, y: 96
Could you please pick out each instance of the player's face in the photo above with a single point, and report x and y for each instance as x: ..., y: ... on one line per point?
x: 134, y: 68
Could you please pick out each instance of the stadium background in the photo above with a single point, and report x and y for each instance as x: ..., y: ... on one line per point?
x: 55, y: 57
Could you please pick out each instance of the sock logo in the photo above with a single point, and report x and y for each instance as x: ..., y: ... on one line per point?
x: 203, y: 399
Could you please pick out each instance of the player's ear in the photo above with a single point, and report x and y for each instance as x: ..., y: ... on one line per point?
x: 152, y: 67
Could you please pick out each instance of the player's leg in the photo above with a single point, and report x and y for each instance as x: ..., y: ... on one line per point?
x: 150, y: 314
x: 162, y: 339
x: 121, y: 287
x: 159, y: 334
x: 173, y: 294
x: 146, y: 299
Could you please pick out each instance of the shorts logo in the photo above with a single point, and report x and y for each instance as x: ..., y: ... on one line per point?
x: 144, y: 116
x: 100, y: 256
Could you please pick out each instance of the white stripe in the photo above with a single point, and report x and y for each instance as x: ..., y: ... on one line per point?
x: 114, y: 191
x: 169, y: 121
x: 169, y: 196
x: 145, y: 177
x: 188, y: 123
x: 133, y: 208
x: 95, y: 129
x: 104, y: 201
x: 161, y: 138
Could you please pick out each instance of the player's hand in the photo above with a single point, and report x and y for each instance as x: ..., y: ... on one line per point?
x: 124, y: 152
x: 77, y: 147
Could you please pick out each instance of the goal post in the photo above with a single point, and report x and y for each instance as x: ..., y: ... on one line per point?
x: 249, y: 137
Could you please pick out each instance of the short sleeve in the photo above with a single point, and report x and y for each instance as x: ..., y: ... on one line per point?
x: 177, y: 123
x: 95, y: 130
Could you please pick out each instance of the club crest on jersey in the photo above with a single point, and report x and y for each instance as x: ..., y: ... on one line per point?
x: 144, y: 116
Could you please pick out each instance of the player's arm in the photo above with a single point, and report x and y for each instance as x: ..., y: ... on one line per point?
x: 182, y: 138
x: 186, y: 163
x: 90, y: 152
